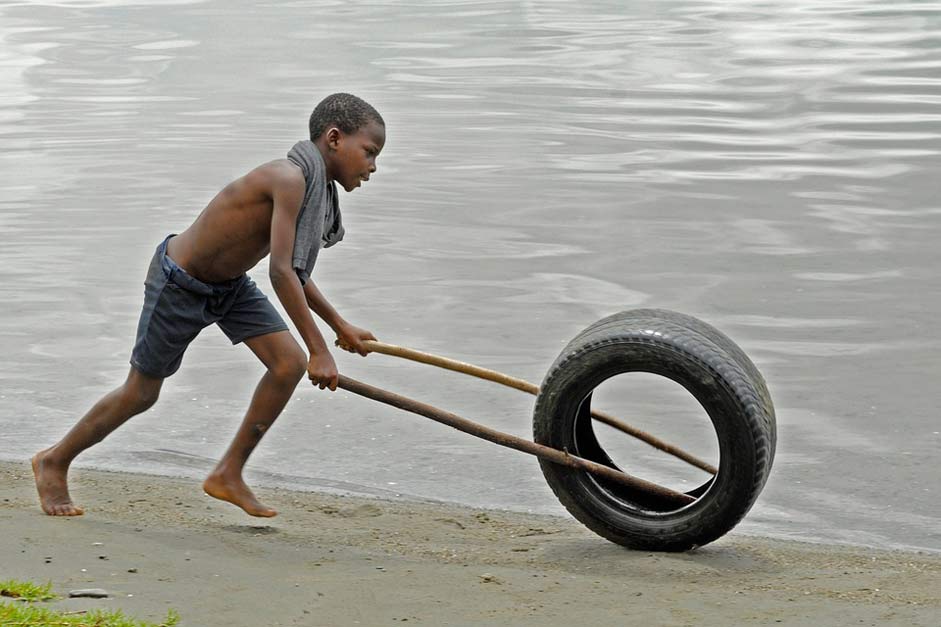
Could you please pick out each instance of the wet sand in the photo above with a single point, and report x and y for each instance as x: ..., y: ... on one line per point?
x: 341, y: 560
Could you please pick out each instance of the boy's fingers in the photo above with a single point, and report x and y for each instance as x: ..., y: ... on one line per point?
x: 345, y: 346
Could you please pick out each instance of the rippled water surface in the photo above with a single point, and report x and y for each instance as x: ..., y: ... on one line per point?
x: 770, y: 167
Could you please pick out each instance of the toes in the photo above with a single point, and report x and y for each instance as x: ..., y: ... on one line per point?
x: 65, y: 509
x: 255, y: 508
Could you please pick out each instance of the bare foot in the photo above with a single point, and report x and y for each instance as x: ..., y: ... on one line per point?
x: 53, y: 488
x: 236, y: 492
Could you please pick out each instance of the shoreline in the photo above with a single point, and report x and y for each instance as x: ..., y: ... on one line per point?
x: 344, y: 560
x: 261, y: 479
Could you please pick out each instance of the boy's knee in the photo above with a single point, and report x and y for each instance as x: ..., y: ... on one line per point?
x: 142, y: 399
x: 290, y: 367
x: 141, y: 394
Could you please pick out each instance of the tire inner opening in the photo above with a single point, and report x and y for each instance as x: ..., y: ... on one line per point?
x: 662, y: 408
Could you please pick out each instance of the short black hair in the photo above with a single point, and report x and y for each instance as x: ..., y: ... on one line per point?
x: 345, y: 111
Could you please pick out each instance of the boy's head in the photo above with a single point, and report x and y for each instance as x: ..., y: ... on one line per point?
x: 350, y: 134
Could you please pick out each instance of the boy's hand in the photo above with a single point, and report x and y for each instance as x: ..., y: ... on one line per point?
x: 350, y: 338
x: 322, y: 371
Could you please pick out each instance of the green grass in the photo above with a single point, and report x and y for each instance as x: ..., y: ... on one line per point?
x: 26, y: 590
x: 19, y: 614
x: 26, y: 615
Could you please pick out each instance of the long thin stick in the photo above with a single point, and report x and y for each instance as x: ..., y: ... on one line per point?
x: 532, y: 388
x: 510, y: 441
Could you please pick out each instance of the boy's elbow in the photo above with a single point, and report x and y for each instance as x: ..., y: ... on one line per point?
x: 280, y: 274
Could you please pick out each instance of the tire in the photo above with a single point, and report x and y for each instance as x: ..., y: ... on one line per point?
x: 709, y: 332
x: 660, y: 343
x: 704, y: 329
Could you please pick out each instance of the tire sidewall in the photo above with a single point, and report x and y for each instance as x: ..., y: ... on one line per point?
x: 717, y: 382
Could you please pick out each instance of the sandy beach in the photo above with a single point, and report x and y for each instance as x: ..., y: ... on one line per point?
x: 156, y: 542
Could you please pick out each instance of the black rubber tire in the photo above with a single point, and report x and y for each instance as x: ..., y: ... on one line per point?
x: 704, y: 329
x: 710, y: 333
x: 649, y: 341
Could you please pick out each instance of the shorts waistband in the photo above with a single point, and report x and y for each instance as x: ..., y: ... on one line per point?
x: 179, y: 276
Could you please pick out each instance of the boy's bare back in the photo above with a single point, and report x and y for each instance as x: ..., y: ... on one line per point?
x: 233, y: 233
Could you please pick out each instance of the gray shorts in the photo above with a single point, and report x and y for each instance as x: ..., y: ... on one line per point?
x: 178, y: 306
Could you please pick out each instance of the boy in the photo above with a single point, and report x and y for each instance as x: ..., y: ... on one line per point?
x: 286, y: 208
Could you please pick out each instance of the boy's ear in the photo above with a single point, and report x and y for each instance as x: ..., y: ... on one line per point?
x: 333, y: 137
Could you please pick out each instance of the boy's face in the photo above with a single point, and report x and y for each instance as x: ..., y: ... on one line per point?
x: 354, y: 155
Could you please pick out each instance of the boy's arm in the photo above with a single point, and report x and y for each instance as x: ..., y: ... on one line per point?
x: 287, y: 194
x: 349, y: 337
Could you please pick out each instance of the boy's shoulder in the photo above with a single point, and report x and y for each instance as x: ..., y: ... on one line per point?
x: 280, y: 177
x: 284, y: 172
x: 287, y: 183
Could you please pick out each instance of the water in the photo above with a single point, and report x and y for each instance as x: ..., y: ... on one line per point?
x: 769, y: 167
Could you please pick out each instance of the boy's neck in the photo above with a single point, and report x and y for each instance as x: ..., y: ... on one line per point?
x: 321, y: 144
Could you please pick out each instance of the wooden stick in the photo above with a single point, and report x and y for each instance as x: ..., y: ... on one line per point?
x: 451, y: 364
x: 653, y: 441
x: 511, y: 441
x: 526, y: 386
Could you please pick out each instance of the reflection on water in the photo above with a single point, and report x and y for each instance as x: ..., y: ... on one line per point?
x: 771, y: 168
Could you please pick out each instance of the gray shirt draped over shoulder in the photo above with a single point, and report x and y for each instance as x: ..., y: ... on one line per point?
x: 318, y: 223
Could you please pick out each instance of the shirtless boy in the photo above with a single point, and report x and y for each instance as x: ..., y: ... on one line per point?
x: 286, y: 209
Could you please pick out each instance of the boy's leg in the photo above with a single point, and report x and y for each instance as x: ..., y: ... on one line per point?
x: 286, y: 363
x: 51, y: 466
